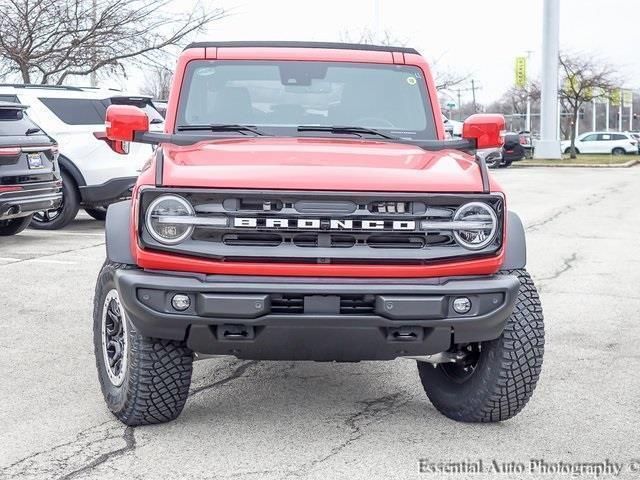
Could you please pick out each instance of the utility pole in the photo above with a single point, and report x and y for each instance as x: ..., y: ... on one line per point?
x: 549, y: 145
x: 473, y: 90
x: 593, y: 115
x: 606, y: 115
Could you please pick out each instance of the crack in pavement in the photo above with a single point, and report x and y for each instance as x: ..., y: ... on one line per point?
x: 588, y: 202
x: 558, y: 213
x: 130, y: 444
x: 373, y: 410
x: 567, y: 264
x: 52, y: 254
x: 237, y: 373
x: 82, y: 454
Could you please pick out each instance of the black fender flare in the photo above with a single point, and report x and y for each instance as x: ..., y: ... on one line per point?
x: 116, y: 229
x: 70, y: 167
x: 516, y: 250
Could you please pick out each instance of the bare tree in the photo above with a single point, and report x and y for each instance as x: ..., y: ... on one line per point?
x: 45, y: 41
x: 514, y: 100
x: 369, y: 37
x: 447, y: 79
x: 158, y: 82
x: 585, y: 78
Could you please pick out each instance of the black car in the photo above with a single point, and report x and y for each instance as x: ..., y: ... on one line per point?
x: 29, y: 173
x: 513, y: 150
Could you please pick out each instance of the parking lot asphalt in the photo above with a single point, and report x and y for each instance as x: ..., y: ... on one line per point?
x: 268, y: 420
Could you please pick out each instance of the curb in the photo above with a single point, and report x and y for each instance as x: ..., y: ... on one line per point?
x: 628, y: 164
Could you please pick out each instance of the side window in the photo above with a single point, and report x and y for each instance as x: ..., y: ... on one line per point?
x: 77, y: 111
x: 619, y: 136
x: 590, y: 138
x: 604, y: 137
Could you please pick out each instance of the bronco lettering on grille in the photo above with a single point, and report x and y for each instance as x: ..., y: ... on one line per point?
x: 324, y: 224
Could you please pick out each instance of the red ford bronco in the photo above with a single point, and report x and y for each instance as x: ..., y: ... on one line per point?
x: 303, y: 204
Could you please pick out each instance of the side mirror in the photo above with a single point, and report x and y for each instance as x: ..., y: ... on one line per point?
x: 486, y: 129
x: 118, y: 146
x: 123, y: 123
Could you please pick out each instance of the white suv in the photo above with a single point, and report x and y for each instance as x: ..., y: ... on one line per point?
x: 93, y: 174
x: 616, y: 143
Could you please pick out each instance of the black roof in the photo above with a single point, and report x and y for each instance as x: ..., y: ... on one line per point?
x: 12, y: 106
x: 328, y: 45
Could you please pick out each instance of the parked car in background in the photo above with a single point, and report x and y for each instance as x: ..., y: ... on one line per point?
x: 636, y: 136
x: 526, y: 140
x: 29, y: 174
x: 93, y: 174
x: 452, y: 126
x: 492, y: 157
x: 616, y: 143
x: 512, y: 150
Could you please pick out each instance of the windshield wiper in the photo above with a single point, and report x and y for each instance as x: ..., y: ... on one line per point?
x: 222, y: 127
x: 344, y: 129
x: 31, y: 131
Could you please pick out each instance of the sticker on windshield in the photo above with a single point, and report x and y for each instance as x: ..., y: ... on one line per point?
x: 411, y: 80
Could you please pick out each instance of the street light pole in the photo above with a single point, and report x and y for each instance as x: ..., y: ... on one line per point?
x: 549, y: 145
x: 527, y: 122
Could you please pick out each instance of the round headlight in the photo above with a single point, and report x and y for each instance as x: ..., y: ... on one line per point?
x: 163, y: 219
x: 483, y: 225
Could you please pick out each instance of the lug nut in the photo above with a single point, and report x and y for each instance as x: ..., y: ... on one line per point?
x: 462, y: 305
x: 181, y: 302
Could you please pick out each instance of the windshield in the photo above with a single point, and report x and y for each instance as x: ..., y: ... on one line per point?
x: 279, y: 96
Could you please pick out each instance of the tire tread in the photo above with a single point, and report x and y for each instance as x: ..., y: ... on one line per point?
x: 517, y: 357
x: 159, y: 371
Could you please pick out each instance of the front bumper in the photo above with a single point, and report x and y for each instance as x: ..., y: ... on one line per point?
x: 31, y: 198
x: 325, y: 319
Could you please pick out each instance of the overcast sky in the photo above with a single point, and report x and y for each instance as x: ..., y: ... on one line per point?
x: 478, y: 37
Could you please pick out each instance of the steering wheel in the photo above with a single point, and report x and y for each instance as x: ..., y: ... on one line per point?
x: 374, y: 121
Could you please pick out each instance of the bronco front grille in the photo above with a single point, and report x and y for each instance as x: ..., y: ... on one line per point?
x: 322, y: 227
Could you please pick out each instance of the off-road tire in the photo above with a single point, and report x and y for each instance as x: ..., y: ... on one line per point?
x: 14, y: 225
x: 158, y: 372
x: 99, y: 213
x: 507, y: 369
x: 70, y: 206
